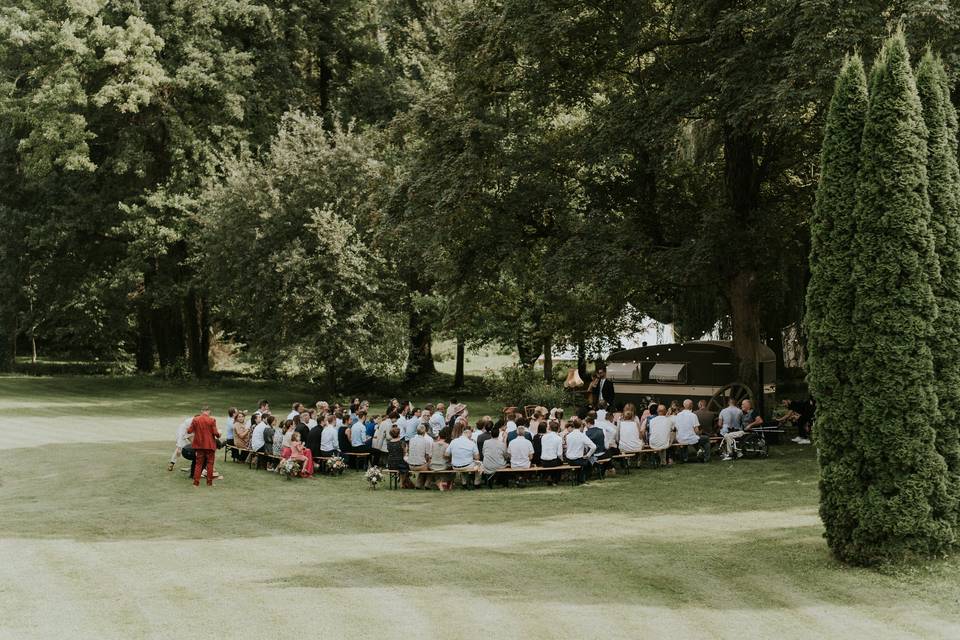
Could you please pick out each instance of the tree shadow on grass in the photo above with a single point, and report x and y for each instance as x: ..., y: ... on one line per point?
x: 785, y: 569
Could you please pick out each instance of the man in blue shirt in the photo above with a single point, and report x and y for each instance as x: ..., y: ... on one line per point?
x: 410, y: 426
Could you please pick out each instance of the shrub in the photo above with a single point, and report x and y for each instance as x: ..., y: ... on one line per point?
x: 521, y: 386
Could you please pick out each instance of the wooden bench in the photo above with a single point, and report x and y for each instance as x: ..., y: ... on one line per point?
x: 394, y: 475
x: 252, y: 456
x: 359, y: 457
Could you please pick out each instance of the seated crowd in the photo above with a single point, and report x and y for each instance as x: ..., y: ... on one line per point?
x: 408, y: 439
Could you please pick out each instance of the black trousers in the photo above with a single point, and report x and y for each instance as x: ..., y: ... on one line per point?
x: 556, y: 462
x: 189, y: 454
x: 583, y: 470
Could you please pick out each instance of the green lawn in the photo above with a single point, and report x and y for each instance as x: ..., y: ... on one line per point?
x: 93, y: 528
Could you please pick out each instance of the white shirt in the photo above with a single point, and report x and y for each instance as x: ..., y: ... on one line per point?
x: 551, y: 446
x: 184, y: 438
x: 382, y: 435
x: 660, y: 429
x: 312, y: 423
x: 511, y: 426
x: 257, y: 440
x: 462, y: 451
x: 520, y: 451
x: 293, y: 414
x: 609, y: 432
x: 579, y: 445
x: 687, y: 423
x: 630, y: 441
x: 328, y: 438
x: 437, y: 423
x: 601, y: 416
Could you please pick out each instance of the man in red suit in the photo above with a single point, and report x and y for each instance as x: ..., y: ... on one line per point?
x: 205, y: 434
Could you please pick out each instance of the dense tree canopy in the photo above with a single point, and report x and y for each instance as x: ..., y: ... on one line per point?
x: 388, y: 171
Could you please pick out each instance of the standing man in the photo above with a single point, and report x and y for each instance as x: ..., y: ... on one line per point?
x: 602, y: 389
x: 205, y: 434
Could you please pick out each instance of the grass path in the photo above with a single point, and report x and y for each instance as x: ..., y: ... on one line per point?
x: 97, y: 540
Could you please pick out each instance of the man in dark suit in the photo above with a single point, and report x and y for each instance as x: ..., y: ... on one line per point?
x: 601, y: 388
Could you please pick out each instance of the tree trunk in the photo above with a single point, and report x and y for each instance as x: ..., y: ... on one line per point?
x: 196, y: 312
x: 528, y: 351
x: 548, y: 359
x: 420, y: 354
x: 169, y: 334
x: 8, y: 342
x: 743, y: 294
x: 743, y: 175
x: 582, y: 359
x: 331, y: 375
x: 145, y: 347
x: 458, y: 376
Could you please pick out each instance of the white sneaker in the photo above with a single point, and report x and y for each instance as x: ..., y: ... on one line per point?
x: 725, y: 457
x: 803, y: 441
x: 797, y: 439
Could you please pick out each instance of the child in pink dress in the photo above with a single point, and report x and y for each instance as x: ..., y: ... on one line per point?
x: 302, y: 455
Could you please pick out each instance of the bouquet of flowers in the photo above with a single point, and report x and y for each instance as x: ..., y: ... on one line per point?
x: 289, y: 468
x: 336, y: 464
x: 374, y: 476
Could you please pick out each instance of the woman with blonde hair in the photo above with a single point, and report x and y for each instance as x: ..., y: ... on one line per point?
x: 629, y: 429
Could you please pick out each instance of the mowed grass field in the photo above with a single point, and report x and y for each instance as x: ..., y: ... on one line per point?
x: 98, y: 540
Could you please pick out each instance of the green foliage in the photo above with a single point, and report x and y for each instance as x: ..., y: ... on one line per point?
x: 292, y: 272
x: 906, y: 507
x: 944, y: 191
x: 519, y: 386
x: 831, y: 333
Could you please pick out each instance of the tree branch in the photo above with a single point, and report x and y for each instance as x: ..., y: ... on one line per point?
x: 678, y: 42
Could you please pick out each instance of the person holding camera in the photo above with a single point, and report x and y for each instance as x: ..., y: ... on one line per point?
x: 205, y: 437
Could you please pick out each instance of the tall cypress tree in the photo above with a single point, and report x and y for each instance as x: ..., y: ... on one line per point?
x: 944, y: 192
x: 905, y: 490
x: 829, y: 318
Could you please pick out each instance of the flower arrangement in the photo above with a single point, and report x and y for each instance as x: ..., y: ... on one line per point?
x: 374, y: 476
x: 289, y: 468
x: 336, y: 464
